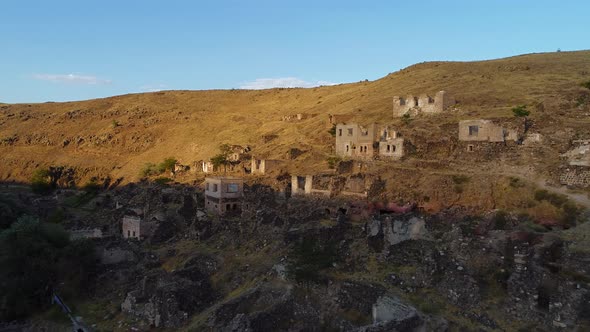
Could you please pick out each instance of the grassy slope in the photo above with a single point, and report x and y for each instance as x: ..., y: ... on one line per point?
x: 191, y: 124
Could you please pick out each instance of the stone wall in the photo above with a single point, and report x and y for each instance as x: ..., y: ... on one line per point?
x: 131, y: 227
x: 579, y: 155
x: 422, y: 104
x: 576, y: 177
x: 392, y: 148
x: 224, y: 195
x: 485, y: 131
x: 353, y: 140
x: 94, y: 233
x: 263, y: 166
x: 301, y: 185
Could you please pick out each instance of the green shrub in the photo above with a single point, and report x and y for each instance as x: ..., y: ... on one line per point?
x: 167, y: 165
x: 460, y: 179
x: 162, y: 180
x: 309, y: 257
x: 520, y: 111
x: 516, y: 182
x: 150, y: 169
x: 41, y: 181
x: 406, y: 119
x: 500, y: 220
x: 34, y: 258
x: 333, y: 161
x: 556, y: 200
x: 332, y: 131
x: 586, y: 84
x: 115, y: 124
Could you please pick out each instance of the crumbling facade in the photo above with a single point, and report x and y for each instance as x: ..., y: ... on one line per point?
x: 422, y: 104
x: 223, y: 195
x: 134, y: 228
x: 485, y: 131
x: 577, y: 174
x: 356, y: 141
x: 264, y: 166
x: 391, y: 144
x: 208, y: 167
x: 579, y: 155
x: 301, y: 185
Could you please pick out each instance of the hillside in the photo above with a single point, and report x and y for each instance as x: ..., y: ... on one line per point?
x: 115, y: 136
x: 463, y: 232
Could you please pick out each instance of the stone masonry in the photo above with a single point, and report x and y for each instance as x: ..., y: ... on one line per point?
x: 422, y: 104
x: 485, y: 131
x: 224, y: 195
x: 366, y: 142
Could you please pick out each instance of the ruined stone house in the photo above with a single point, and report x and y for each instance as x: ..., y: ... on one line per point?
x: 263, y: 166
x: 301, y: 185
x: 422, y: 104
x: 223, y: 195
x: 478, y: 131
x: 133, y: 227
x: 391, y: 144
x: 208, y: 167
x: 356, y: 141
x: 577, y: 174
x: 579, y: 154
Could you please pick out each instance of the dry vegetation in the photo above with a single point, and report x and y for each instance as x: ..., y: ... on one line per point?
x: 190, y: 125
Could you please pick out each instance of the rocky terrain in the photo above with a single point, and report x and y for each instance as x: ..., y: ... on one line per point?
x: 441, y: 240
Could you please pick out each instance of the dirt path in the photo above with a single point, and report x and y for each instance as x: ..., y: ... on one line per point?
x: 581, y: 199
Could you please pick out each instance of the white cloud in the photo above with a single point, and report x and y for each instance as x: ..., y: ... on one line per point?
x: 153, y: 88
x: 71, y: 78
x: 283, y: 82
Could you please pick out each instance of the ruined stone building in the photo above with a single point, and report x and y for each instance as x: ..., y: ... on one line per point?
x: 263, y: 166
x: 94, y: 233
x: 422, y: 104
x: 356, y: 141
x: 579, y: 154
x: 224, y: 195
x: 477, y: 131
x: 577, y: 173
x: 391, y: 144
x: 301, y: 185
x: 297, y: 117
x: 208, y: 167
x: 134, y: 228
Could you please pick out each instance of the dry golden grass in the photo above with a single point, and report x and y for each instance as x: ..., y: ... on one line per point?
x: 190, y: 125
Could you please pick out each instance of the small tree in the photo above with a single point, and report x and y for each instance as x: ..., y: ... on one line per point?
x: 223, y: 157
x: 406, y: 119
x: 220, y: 159
x: 167, y: 165
x: 521, y: 112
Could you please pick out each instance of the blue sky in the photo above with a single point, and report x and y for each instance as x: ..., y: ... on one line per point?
x: 71, y: 50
